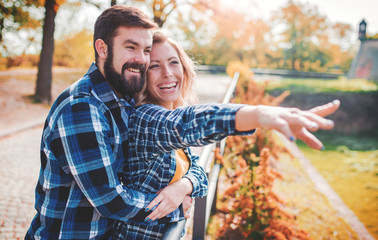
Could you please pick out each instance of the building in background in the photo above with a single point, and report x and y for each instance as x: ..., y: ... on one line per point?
x: 365, y: 64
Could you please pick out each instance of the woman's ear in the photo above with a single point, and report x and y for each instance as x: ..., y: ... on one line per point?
x: 101, y: 48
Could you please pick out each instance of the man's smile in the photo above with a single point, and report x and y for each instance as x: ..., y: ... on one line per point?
x: 136, y: 70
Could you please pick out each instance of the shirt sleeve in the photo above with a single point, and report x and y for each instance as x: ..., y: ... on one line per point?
x: 84, y: 147
x: 197, y: 175
x: 158, y: 130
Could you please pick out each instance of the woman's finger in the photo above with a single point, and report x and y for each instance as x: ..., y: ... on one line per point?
x: 157, y: 212
x: 309, y: 139
x: 319, y: 121
x: 326, y: 109
x: 161, y: 211
x: 282, y: 126
x: 154, y: 202
x: 187, y: 203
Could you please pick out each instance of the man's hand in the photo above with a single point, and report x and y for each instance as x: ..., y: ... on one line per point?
x: 169, y: 198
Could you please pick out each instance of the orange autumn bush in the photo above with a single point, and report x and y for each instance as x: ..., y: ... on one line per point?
x: 250, y: 209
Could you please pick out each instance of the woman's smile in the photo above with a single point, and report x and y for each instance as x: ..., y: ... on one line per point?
x: 168, y: 87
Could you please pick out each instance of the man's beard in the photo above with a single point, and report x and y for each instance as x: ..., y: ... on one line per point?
x: 125, y: 86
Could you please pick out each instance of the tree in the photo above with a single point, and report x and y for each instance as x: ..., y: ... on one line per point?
x: 74, y: 50
x: 220, y: 34
x: 161, y: 9
x: 44, y: 76
x: 304, y: 27
x: 15, y: 16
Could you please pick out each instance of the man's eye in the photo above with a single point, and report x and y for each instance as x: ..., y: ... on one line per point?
x: 147, y: 52
x: 130, y: 47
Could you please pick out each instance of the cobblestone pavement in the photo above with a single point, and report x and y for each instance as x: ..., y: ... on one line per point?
x: 19, y: 162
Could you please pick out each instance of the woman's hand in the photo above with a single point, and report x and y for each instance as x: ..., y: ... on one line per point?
x: 186, y: 205
x: 322, y: 111
x: 291, y: 122
x: 169, y: 198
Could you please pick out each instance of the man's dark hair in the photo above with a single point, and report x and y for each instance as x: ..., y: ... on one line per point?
x: 116, y: 16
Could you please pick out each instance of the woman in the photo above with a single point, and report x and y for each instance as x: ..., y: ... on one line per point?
x: 153, y: 166
x: 170, y: 80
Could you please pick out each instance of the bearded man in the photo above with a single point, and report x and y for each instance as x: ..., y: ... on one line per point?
x: 78, y: 194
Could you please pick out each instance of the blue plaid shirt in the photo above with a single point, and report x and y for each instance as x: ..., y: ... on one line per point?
x: 78, y: 194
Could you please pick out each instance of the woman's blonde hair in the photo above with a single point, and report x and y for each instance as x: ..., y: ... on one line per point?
x: 187, y: 95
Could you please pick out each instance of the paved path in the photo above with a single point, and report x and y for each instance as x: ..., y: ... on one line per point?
x: 19, y: 161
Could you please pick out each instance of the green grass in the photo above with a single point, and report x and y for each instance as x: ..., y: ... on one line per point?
x: 349, y: 163
x: 319, y: 85
x: 365, y: 141
x: 354, y: 176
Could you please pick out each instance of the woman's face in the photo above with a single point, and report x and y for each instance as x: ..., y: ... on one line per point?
x: 165, y: 75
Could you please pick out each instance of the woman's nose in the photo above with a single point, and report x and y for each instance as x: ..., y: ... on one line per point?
x: 167, y: 72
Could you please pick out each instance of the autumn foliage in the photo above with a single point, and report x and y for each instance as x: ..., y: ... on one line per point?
x: 250, y: 208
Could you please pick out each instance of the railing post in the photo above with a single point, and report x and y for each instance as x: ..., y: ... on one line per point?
x: 199, y: 224
x: 204, y: 205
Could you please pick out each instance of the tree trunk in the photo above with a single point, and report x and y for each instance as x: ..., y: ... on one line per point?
x: 44, y: 77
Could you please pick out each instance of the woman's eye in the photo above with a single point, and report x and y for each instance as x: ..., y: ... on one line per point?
x: 175, y: 62
x: 153, y: 66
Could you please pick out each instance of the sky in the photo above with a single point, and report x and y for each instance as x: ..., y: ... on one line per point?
x: 346, y: 11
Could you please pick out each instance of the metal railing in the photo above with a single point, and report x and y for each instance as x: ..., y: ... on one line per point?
x: 211, y: 69
x: 204, y: 206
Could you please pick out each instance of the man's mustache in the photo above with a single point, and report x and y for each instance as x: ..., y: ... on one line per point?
x: 134, y: 65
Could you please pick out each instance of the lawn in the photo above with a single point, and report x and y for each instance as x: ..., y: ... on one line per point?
x: 317, y: 85
x: 353, y: 174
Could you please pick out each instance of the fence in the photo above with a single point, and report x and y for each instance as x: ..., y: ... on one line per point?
x: 285, y: 73
x: 204, y: 206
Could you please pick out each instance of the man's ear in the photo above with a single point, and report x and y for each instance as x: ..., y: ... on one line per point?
x: 101, y: 48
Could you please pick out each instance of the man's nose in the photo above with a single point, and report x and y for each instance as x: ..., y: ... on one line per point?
x: 141, y: 58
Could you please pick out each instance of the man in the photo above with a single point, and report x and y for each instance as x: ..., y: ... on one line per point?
x: 78, y: 192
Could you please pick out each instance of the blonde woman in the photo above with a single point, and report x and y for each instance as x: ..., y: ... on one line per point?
x: 174, y: 174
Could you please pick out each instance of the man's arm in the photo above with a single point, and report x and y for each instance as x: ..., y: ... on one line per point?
x: 84, y: 147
